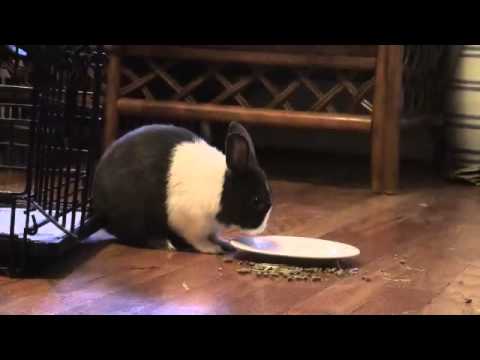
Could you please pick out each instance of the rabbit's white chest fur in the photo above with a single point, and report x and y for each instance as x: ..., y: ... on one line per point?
x: 194, y: 189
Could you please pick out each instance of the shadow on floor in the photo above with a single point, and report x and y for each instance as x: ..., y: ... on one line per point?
x: 62, y: 266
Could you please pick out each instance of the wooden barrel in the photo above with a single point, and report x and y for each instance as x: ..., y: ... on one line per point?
x: 463, y: 123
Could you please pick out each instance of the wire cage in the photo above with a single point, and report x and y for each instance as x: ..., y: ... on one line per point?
x: 15, y: 106
x: 15, y: 115
x: 63, y: 130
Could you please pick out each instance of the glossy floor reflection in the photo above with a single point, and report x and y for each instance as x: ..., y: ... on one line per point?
x: 419, y: 254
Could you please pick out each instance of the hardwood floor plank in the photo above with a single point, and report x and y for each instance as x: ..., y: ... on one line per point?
x: 461, y: 297
x: 419, y: 251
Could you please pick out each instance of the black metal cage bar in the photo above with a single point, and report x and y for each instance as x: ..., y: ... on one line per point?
x: 62, y: 149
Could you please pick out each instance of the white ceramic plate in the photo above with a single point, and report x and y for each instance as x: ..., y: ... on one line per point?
x: 295, y: 247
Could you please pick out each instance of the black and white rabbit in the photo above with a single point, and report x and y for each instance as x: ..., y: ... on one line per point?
x: 164, y: 182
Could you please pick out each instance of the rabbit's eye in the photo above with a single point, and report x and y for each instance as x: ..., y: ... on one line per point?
x: 257, y: 202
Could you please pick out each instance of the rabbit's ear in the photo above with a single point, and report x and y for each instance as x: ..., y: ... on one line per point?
x: 240, y: 151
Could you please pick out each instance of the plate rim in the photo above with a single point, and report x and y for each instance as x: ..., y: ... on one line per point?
x: 246, y: 248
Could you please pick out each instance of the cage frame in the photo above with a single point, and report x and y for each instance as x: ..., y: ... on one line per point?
x: 60, y: 165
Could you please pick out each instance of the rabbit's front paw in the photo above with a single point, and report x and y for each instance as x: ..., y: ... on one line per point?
x: 208, y: 248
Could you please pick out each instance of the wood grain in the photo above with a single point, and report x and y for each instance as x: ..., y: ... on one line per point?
x: 218, y: 113
x: 386, y: 119
x: 420, y: 251
x: 112, y: 93
x: 222, y: 55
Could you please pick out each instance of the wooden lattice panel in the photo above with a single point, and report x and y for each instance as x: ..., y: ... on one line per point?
x: 249, y: 86
x: 329, y: 89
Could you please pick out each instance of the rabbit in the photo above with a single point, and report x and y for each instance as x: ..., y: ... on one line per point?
x: 164, y: 182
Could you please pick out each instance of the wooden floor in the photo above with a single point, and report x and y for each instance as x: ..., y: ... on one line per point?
x: 420, y: 250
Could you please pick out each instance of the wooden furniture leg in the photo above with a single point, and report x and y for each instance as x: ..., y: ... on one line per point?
x: 385, y: 135
x: 111, y: 97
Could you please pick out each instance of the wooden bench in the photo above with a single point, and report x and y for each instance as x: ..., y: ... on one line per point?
x: 380, y: 118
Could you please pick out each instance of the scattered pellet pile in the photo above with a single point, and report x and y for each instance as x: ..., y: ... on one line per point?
x: 290, y: 273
